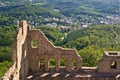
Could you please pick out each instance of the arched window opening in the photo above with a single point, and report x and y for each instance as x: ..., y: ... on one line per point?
x: 34, y: 43
x: 63, y: 62
x: 113, y: 65
x: 52, y: 62
x: 42, y: 64
x: 74, y: 64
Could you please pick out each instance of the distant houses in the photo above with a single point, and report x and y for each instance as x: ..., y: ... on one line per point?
x: 2, y: 4
x: 64, y: 24
x: 53, y: 24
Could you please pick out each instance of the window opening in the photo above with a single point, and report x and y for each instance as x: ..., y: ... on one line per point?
x: 34, y: 43
x: 52, y: 62
x: 114, y: 65
x: 42, y: 64
x: 63, y: 62
x: 74, y: 64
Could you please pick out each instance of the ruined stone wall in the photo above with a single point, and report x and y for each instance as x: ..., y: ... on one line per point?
x: 46, y: 50
x: 31, y: 46
x: 26, y: 56
x: 110, y: 63
x: 20, y: 60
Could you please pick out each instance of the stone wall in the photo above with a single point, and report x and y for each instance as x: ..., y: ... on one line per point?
x: 20, y: 60
x: 26, y: 56
x: 46, y: 50
x: 110, y: 63
x: 33, y: 54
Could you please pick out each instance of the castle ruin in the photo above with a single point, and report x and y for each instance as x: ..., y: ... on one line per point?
x: 33, y: 54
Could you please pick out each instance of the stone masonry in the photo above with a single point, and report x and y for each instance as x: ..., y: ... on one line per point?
x: 110, y: 63
x: 33, y: 55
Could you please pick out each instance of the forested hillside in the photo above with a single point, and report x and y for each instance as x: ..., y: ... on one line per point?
x: 74, y: 7
x: 7, y: 35
x: 85, y: 7
x: 25, y: 12
x: 98, y: 35
x: 35, y: 11
x: 92, y: 41
x: 29, y: 10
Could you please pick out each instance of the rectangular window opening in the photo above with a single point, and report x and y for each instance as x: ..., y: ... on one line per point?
x: 113, y: 65
x: 42, y: 64
x: 63, y: 62
x: 52, y: 62
x: 74, y: 64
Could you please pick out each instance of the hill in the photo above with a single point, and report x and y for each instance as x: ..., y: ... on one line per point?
x: 102, y: 35
x: 28, y: 12
x: 92, y: 41
x: 76, y: 7
x: 97, y: 7
x: 87, y: 11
